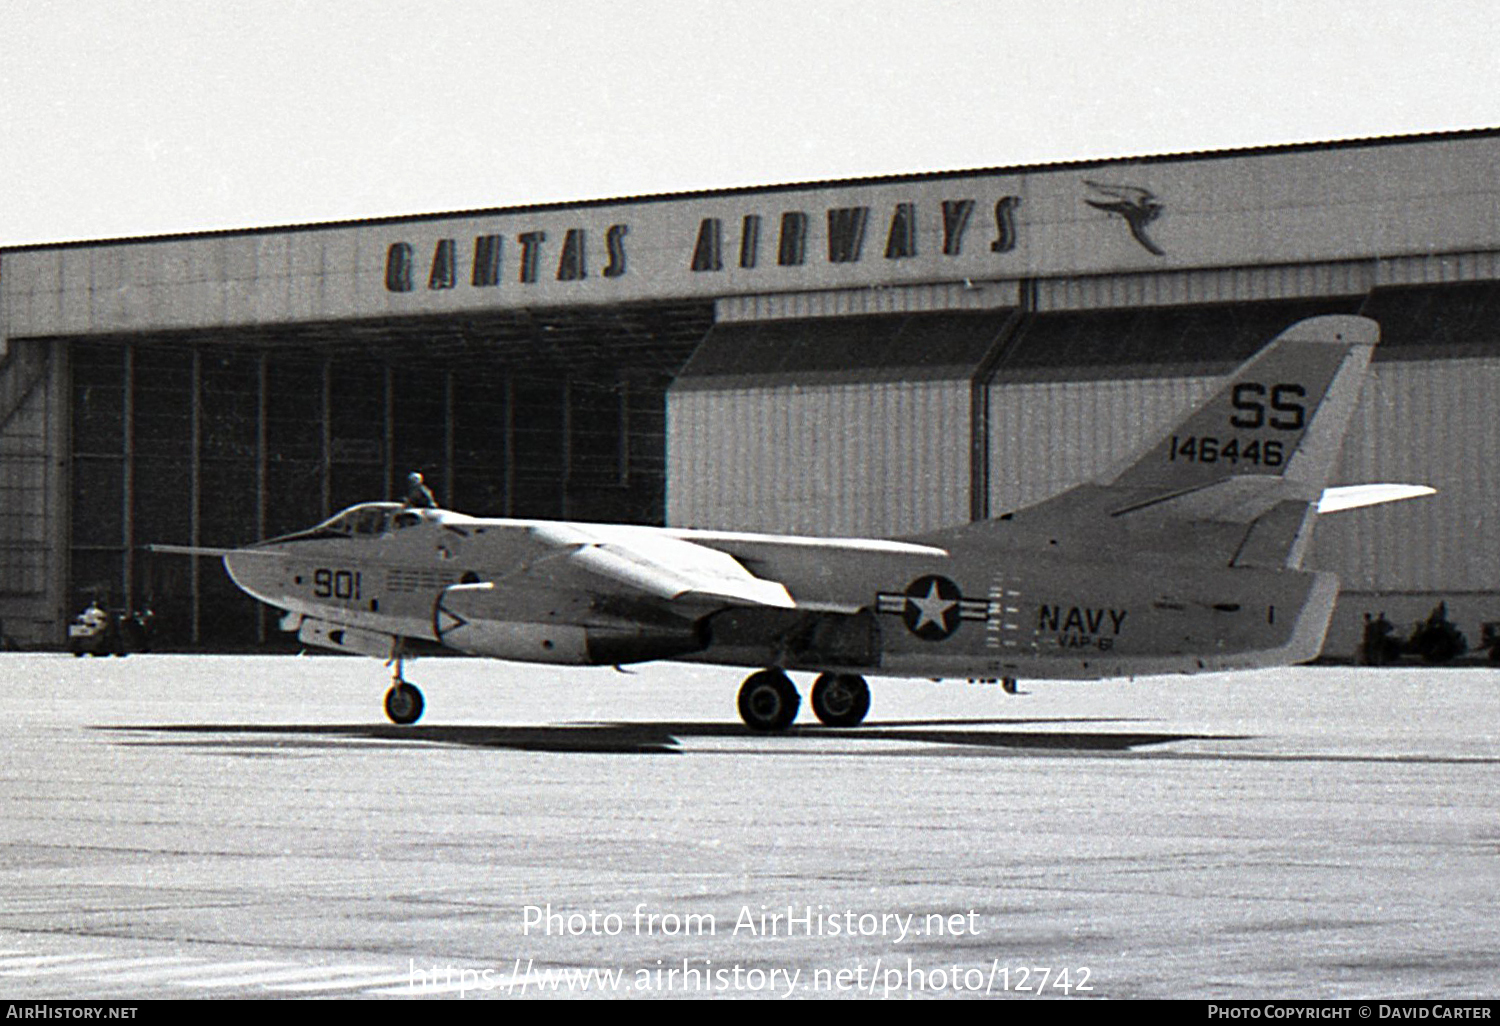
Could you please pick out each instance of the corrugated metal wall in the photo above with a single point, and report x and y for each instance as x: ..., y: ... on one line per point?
x: 1208, y: 285
x: 857, y: 425
x: 1437, y: 268
x: 955, y: 295
x: 1429, y: 423
x: 1047, y: 436
x: 859, y: 459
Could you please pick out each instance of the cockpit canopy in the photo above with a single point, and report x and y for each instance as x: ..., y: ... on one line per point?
x: 370, y: 520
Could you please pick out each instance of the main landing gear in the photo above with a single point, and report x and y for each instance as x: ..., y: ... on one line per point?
x: 841, y: 699
x: 769, y: 700
x: 403, y: 702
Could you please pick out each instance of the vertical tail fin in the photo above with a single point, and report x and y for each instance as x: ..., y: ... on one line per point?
x: 1261, y: 450
x: 1282, y: 415
x: 1237, y: 480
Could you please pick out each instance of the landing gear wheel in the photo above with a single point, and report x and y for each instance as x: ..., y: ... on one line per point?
x: 403, y: 703
x: 769, y: 701
x: 841, y: 699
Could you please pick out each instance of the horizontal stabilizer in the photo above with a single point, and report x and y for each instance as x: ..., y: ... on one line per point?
x: 1344, y: 497
x: 1243, y: 499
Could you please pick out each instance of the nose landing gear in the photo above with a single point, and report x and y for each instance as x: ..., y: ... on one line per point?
x: 403, y: 702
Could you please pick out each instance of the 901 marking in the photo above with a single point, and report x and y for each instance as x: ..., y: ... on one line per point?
x: 1208, y: 449
x: 339, y: 584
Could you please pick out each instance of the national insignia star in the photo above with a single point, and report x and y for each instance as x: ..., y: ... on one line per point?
x: 932, y: 609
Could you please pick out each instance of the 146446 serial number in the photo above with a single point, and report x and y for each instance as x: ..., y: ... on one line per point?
x: 1208, y: 449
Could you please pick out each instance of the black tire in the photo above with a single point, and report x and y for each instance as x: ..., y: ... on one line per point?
x: 404, y: 704
x: 841, y: 699
x: 769, y: 701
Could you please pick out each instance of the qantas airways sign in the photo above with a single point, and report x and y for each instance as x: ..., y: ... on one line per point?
x: 1274, y: 208
x: 788, y: 239
x: 1112, y: 217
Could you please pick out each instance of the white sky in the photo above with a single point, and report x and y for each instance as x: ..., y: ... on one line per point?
x: 157, y: 116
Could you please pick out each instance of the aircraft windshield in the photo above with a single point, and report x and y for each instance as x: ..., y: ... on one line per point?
x: 367, y: 521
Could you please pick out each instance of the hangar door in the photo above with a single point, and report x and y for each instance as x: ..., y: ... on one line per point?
x: 854, y: 426
x: 231, y: 438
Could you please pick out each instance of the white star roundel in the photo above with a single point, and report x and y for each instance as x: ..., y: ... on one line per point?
x: 932, y: 607
x: 931, y: 611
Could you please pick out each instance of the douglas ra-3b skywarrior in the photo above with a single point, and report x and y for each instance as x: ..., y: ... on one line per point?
x: 1186, y: 559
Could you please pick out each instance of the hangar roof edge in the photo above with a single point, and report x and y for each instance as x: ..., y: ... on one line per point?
x: 911, y: 176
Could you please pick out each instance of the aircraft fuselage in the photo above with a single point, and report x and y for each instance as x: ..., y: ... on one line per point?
x: 500, y: 587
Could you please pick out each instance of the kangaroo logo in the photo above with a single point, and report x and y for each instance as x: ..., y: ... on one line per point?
x: 1137, y: 206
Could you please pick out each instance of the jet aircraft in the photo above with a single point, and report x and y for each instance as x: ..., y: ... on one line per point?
x: 1185, y: 558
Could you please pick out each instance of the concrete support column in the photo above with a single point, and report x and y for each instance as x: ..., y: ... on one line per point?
x: 59, y: 492
x: 195, y: 492
x: 261, y: 471
x: 325, y: 471
x: 510, y: 444
x: 448, y: 440
x: 127, y: 483
x: 388, y: 445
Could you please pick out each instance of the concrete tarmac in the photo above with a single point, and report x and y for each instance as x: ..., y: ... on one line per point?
x: 200, y: 826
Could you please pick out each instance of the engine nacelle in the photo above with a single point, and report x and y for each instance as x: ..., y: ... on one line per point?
x: 480, y: 619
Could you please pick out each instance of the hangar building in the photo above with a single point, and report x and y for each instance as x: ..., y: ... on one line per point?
x: 873, y: 357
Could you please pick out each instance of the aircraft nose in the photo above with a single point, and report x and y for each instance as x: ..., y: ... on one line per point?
x: 255, y: 571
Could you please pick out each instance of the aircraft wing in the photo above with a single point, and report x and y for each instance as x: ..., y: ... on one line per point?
x: 660, y: 565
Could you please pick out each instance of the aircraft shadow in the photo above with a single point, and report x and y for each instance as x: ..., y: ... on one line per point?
x: 634, y: 738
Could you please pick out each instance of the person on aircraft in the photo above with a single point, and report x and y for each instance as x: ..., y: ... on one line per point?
x: 417, y: 493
